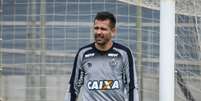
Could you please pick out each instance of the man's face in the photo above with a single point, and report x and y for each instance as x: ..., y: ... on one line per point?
x: 103, y: 32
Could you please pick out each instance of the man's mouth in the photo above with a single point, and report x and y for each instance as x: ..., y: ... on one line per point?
x: 98, y: 37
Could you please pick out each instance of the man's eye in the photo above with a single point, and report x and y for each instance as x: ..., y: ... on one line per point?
x: 96, y: 28
x: 103, y: 28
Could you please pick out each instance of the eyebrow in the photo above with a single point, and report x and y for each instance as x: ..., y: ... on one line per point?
x: 102, y: 28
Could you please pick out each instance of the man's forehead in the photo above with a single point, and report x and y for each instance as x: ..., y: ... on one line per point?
x: 102, y: 21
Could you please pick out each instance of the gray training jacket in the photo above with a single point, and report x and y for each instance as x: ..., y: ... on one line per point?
x: 103, y: 75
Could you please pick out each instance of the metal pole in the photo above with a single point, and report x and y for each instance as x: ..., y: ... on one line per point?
x: 30, y: 55
x: 167, y: 50
x: 139, y: 45
x: 1, y: 54
x: 42, y: 51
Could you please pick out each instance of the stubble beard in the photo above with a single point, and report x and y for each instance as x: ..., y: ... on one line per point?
x: 101, y: 40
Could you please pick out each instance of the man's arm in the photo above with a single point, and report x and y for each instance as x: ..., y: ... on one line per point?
x: 76, y: 80
x: 136, y: 89
x: 131, y: 78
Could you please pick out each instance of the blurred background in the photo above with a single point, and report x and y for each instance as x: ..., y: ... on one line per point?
x: 39, y: 40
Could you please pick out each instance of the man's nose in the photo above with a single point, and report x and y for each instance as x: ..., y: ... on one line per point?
x: 98, y: 31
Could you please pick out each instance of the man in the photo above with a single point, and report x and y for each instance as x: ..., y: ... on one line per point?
x: 103, y: 70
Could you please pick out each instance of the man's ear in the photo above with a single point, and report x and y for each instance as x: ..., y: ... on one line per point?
x: 114, y: 30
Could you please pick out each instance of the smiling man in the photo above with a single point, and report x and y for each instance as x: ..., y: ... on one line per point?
x: 104, y: 69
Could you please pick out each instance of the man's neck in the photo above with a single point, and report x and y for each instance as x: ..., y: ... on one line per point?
x: 105, y: 47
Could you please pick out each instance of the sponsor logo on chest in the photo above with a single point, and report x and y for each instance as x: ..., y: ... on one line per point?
x: 103, y: 85
x: 113, y: 54
x: 89, y: 55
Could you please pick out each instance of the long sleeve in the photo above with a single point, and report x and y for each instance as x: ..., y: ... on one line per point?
x: 131, y: 78
x: 76, y: 80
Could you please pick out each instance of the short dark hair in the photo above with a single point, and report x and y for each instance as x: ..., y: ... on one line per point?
x: 104, y: 15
